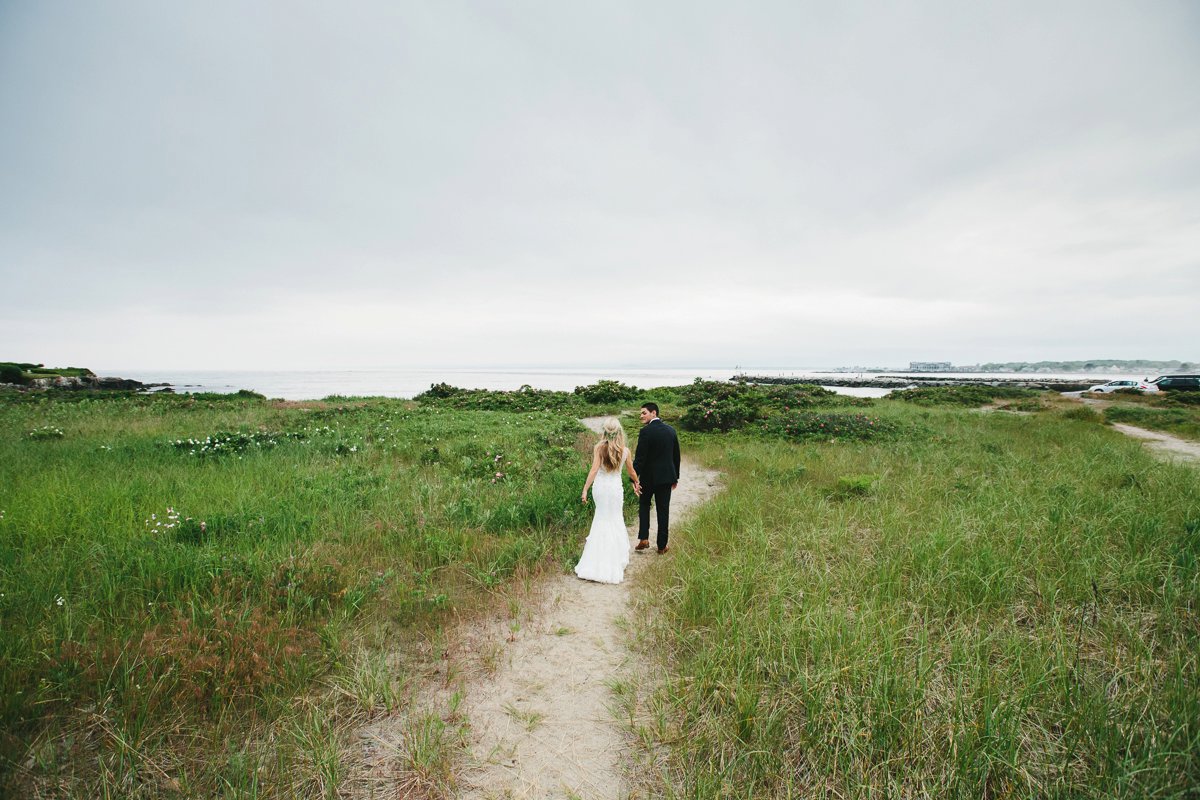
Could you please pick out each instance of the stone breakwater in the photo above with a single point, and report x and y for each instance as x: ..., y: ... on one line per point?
x: 906, y: 381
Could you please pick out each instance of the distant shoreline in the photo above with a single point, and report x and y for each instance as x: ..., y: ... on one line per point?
x: 407, y: 383
x: 901, y: 381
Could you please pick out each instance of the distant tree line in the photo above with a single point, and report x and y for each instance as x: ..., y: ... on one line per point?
x: 1127, y: 365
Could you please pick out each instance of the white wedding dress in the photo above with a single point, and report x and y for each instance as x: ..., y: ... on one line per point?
x: 606, y: 551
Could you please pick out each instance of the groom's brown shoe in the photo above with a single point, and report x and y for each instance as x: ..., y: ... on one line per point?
x: 664, y: 549
x: 642, y: 544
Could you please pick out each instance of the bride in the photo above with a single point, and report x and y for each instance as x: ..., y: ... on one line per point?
x: 606, y: 552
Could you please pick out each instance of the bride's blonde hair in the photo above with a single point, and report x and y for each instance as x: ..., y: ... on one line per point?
x: 612, y: 437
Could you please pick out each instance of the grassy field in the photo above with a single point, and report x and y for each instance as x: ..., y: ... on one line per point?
x: 986, y: 605
x: 178, y: 576
x: 203, y: 596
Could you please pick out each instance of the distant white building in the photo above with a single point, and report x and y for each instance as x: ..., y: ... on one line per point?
x: 930, y: 366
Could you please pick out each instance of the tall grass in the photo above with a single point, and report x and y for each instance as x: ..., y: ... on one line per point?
x: 1003, y: 607
x: 155, y: 592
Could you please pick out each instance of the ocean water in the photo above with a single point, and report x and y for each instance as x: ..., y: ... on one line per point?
x: 317, y: 384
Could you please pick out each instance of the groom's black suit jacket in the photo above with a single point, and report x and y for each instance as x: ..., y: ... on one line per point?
x: 656, y: 460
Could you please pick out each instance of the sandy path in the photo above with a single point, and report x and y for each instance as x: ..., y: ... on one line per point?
x: 1162, y: 444
x: 536, y: 688
x: 541, y: 723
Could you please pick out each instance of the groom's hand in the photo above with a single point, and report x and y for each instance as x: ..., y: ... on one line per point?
x: 637, y: 488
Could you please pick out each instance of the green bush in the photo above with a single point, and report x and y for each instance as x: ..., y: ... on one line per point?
x: 721, y: 414
x: 802, y: 425
x: 720, y: 406
x: 801, y: 395
x: 11, y: 373
x: 439, y: 391
x: 524, y: 399
x: 965, y: 395
x: 604, y: 391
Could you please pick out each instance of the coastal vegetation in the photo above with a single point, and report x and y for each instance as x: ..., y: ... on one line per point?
x: 182, y: 572
x: 204, y: 595
x: 986, y: 605
x: 605, y: 393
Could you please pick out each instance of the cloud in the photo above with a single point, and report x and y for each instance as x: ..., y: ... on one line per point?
x: 794, y: 183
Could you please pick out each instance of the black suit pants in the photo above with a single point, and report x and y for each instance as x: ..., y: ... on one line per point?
x: 661, y: 495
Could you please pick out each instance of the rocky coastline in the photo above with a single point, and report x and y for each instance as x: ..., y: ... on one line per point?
x: 88, y: 382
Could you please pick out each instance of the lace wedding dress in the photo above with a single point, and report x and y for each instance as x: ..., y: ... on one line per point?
x: 606, y: 551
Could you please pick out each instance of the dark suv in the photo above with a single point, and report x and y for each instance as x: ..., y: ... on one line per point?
x: 1176, y: 383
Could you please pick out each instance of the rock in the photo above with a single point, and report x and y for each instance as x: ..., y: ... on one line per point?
x: 92, y: 383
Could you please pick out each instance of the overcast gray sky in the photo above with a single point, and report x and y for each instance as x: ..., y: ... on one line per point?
x: 792, y: 184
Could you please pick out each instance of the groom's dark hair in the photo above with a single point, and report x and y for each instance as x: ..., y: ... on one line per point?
x: 651, y: 407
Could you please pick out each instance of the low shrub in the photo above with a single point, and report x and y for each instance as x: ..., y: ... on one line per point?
x: 801, y: 395
x: 524, y: 399
x: 721, y: 414
x: 804, y: 425
x: 966, y: 395
x: 603, y: 392
x: 721, y: 406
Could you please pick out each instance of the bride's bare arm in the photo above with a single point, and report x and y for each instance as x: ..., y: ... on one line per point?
x: 591, y: 475
x: 637, y: 487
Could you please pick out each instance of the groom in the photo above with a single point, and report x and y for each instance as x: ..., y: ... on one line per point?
x: 656, y: 461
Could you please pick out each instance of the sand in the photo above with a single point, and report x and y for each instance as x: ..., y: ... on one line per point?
x: 1166, y: 446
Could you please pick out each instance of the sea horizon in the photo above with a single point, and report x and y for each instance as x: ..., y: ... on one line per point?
x: 315, y: 384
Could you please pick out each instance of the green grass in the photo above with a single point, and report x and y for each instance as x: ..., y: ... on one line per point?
x: 201, y: 596
x: 1177, y: 418
x: 1005, y: 608
x: 158, y: 596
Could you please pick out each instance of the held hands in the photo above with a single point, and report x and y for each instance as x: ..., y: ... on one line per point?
x: 637, y: 488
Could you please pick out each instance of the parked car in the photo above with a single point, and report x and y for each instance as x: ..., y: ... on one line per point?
x: 1173, y: 383
x: 1112, y: 386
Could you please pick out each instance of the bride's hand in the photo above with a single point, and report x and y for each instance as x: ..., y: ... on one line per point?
x: 583, y: 497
